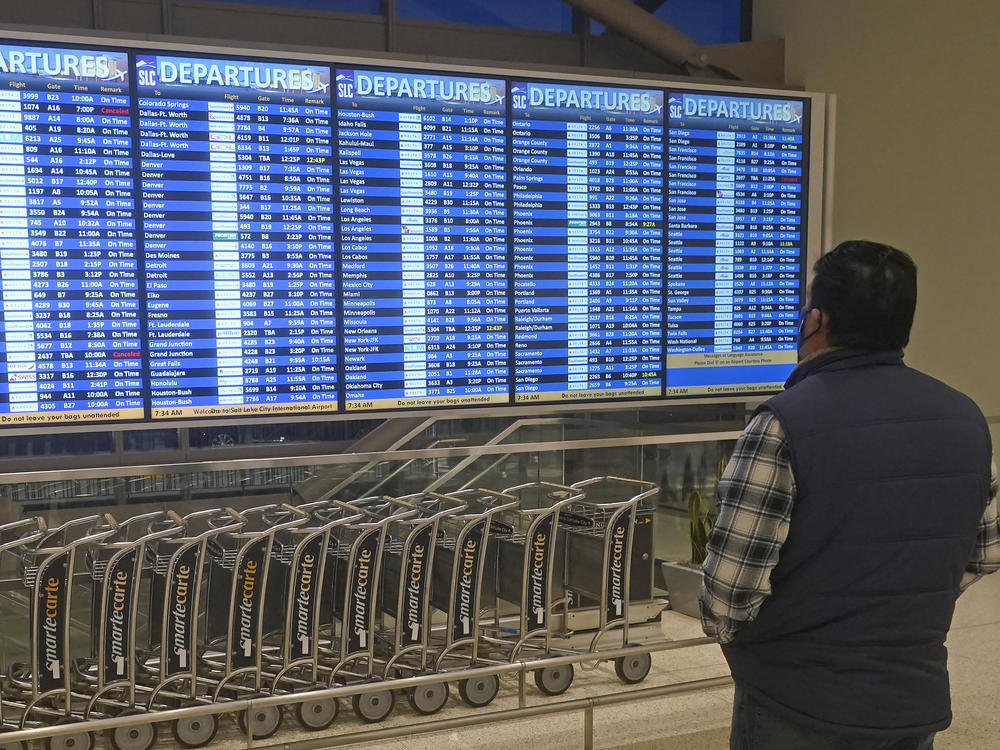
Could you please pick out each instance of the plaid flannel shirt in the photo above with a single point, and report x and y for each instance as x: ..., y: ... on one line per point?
x: 756, y: 495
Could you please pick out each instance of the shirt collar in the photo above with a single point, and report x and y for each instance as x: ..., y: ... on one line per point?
x: 841, y: 358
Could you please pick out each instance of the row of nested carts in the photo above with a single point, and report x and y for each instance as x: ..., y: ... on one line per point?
x: 283, y: 600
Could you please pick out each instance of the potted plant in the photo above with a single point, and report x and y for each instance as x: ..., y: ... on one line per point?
x: 683, y: 579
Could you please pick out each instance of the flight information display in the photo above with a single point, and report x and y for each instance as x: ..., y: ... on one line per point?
x: 238, y: 227
x: 423, y: 225
x: 736, y: 242
x: 188, y: 235
x: 587, y: 232
x: 71, y: 344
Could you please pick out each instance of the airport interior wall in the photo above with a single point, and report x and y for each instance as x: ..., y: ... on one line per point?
x: 915, y: 162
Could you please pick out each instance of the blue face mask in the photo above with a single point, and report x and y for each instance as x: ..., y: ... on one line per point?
x: 799, y: 338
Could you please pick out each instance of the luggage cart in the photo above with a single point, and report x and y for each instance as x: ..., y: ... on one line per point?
x: 43, y: 691
x: 239, y: 575
x: 356, y: 574
x: 465, y: 566
x: 407, y: 562
x: 15, y: 538
x: 529, y: 578
x: 302, y: 552
x: 116, y: 567
x: 598, y: 536
x: 178, y: 564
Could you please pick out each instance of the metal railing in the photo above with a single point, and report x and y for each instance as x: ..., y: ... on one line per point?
x: 521, y: 668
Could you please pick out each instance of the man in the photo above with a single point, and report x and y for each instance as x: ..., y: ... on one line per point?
x: 856, y: 507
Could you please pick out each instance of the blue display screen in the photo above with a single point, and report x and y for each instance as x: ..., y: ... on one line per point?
x: 71, y: 309
x: 191, y: 236
x: 587, y: 178
x: 735, y: 241
x: 423, y: 231
x: 237, y: 201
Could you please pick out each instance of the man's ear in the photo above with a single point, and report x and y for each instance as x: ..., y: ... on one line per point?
x: 819, y: 319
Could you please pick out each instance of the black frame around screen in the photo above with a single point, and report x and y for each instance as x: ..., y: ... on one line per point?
x: 132, y: 49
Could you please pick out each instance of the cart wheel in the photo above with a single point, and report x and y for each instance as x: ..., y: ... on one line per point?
x: 139, y: 737
x: 374, y: 707
x: 317, y: 714
x: 264, y: 721
x: 479, y: 691
x: 633, y: 669
x: 197, y: 731
x: 76, y: 741
x: 13, y: 746
x: 428, y: 699
x: 554, y: 680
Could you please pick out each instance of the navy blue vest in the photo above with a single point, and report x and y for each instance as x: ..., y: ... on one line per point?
x: 892, y: 472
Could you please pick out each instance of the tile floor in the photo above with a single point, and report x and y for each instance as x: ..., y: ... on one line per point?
x: 696, y: 721
x: 700, y: 721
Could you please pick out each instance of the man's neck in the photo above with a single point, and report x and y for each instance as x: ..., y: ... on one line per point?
x: 817, y: 353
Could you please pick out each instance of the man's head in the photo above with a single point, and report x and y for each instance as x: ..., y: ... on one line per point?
x: 863, y: 296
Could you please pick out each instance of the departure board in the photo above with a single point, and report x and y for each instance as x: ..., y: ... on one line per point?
x: 71, y: 325
x: 736, y: 241
x: 587, y: 233
x: 422, y: 172
x: 240, y: 274
x: 197, y: 234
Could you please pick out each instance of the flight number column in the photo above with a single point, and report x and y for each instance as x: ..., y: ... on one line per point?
x: 625, y: 219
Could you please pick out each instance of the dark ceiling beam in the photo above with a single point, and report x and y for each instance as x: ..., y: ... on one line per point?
x: 646, y: 30
x: 650, y: 6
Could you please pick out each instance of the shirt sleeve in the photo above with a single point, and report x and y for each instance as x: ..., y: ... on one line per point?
x: 986, y: 554
x: 755, y: 498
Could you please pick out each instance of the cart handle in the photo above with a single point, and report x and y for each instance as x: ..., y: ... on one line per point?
x: 110, y: 528
x: 225, y: 520
x: 378, y: 522
x: 71, y: 524
x: 455, y: 508
x: 575, y: 496
x: 507, y: 502
x: 317, y: 510
x: 612, y: 504
x: 298, y: 518
x: 623, y: 480
x: 28, y: 538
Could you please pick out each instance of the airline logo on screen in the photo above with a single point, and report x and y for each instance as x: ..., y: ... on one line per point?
x: 364, y: 84
x: 739, y: 110
x: 159, y: 72
x: 18, y: 63
x: 550, y: 96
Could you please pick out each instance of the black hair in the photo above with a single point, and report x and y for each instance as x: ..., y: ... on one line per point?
x: 868, y: 293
